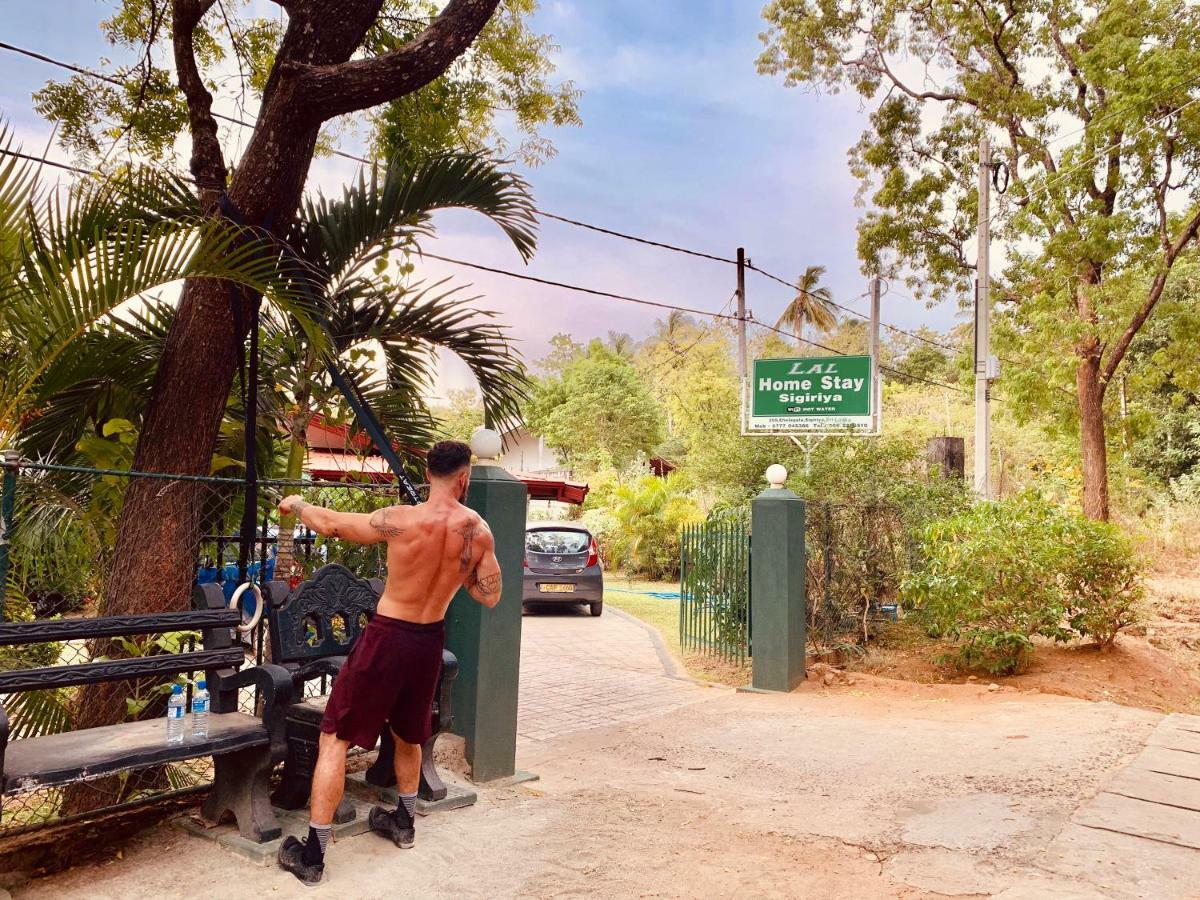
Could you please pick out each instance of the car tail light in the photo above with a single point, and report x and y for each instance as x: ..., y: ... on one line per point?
x: 593, y: 553
x: 525, y: 561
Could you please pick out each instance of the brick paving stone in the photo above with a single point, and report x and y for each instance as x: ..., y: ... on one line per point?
x: 580, y: 673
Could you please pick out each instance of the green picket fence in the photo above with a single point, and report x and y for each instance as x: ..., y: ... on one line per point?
x: 714, y: 607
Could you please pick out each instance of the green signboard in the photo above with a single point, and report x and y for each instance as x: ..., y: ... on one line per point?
x: 812, y: 393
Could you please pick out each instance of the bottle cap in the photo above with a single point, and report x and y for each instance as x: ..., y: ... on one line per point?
x: 177, y: 689
x: 202, y: 684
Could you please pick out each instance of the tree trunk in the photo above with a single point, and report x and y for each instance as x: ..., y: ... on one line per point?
x: 158, y: 532
x: 1092, y: 447
x: 1090, y: 386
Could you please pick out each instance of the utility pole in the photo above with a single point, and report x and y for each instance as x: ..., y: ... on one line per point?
x: 876, y: 386
x: 983, y: 315
x: 743, y: 376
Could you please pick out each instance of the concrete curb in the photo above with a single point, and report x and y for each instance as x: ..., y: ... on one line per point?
x: 671, y: 667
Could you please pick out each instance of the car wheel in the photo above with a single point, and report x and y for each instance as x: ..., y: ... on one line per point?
x: 597, y: 608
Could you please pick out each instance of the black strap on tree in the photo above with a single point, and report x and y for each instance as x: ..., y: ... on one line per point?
x: 248, y: 387
x: 250, y: 405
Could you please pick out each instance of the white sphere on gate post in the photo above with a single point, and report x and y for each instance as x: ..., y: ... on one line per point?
x: 486, y: 445
x: 776, y: 475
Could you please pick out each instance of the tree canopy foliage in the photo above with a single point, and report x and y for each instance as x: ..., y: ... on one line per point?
x: 497, y: 98
x: 1094, y: 113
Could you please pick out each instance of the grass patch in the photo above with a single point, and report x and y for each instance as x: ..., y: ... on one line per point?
x: 663, y: 615
x: 654, y: 611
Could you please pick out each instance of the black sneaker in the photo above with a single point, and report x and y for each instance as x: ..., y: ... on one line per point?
x: 397, y: 825
x: 291, y: 859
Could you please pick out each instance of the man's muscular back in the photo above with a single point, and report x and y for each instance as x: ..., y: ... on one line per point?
x: 433, y: 549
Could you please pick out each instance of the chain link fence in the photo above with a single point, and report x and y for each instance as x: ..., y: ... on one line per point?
x: 857, y: 555
x: 59, y: 528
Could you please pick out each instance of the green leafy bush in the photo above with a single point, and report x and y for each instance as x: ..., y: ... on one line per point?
x: 998, y: 574
x: 1101, y: 579
x: 640, y: 531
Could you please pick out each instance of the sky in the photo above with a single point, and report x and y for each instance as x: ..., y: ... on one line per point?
x: 682, y: 141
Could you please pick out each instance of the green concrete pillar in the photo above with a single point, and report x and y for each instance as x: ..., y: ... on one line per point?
x: 777, y: 601
x: 487, y: 642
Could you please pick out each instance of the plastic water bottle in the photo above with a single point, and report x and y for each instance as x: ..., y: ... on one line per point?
x: 200, y: 711
x: 175, y: 715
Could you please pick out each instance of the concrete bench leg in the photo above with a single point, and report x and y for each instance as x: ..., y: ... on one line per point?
x: 241, y: 784
x: 383, y: 772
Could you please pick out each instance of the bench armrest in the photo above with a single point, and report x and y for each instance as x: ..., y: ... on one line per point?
x: 326, y: 665
x: 274, y: 684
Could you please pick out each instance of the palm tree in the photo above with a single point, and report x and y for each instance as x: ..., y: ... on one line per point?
x: 68, y: 260
x: 811, y: 304
x: 341, y: 251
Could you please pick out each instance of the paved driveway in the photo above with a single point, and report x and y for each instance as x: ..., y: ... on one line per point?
x: 579, y: 673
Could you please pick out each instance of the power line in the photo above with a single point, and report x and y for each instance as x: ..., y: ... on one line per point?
x: 633, y: 237
x: 109, y: 79
x: 91, y: 73
x: 683, y: 351
x: 41, y: 160
x: 896, y: 372
x: 896, y: 328
x: 1063, y: 173
x: 578, y: 288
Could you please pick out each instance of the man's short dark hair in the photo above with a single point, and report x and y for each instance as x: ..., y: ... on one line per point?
x: 447, y: 457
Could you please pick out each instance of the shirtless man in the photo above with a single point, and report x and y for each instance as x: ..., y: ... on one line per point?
x: 433, y: 549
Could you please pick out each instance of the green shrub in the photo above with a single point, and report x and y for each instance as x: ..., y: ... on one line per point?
x: 997, y: 575
x: 1101, y: 580
x: 647, y: 515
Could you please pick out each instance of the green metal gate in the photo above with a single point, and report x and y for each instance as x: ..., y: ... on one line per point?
x: 714, y: 606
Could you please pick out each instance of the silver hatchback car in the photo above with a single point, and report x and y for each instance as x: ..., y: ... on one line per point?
x: 562, y: 565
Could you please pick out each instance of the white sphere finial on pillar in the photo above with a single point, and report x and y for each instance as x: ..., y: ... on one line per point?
x: 486, y: 445
x: 776, y: 475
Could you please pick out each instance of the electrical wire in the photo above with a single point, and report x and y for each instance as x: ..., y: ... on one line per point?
x: 882, y: 367
x: 1061, y: 174
x: 91, y: 73
x: 574, y: 287
x: 633, y: 237
x: 677, y: 355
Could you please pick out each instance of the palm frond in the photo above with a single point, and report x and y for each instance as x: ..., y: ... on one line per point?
x: 384, y: 211
x: 70, y: 280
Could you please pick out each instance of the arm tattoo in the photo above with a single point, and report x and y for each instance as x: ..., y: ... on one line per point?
x: 384, y: 521
x: 468, y: 533
x: 299, y: 506
x: 487, y: 585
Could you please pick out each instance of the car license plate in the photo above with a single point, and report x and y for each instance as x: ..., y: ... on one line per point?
x: 557, y: 588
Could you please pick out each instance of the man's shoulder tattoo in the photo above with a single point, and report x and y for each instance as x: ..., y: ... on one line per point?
x: 468, y: 533
x: 385, y: 522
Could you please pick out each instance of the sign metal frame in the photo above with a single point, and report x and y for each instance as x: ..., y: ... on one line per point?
x: 875, y: 413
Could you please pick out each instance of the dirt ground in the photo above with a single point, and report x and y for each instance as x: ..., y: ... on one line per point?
x: 878, y: 789
x: 1156, y: 665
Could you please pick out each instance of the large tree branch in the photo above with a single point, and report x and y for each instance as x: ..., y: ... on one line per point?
x: 333, y: 90
x: 207, y: 163
x: 1185, y: 236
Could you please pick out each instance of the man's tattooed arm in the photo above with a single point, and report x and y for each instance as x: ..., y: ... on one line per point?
x: 486, y: 586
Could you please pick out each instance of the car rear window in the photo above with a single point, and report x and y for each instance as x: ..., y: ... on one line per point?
x: 548, y: 541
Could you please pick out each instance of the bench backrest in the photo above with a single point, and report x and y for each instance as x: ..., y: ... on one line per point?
x: 217, y: 654
x: 322, y: 617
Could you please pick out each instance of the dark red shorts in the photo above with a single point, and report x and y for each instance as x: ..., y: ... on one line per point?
x: 390, y: 676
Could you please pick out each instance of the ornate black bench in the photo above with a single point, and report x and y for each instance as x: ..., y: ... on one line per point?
x: 245, y: 748
x: 312, y: 629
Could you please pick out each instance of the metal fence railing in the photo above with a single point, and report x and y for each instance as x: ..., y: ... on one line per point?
x: 714, y: 591
x: 855, y: 558
x: 58, y: 527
